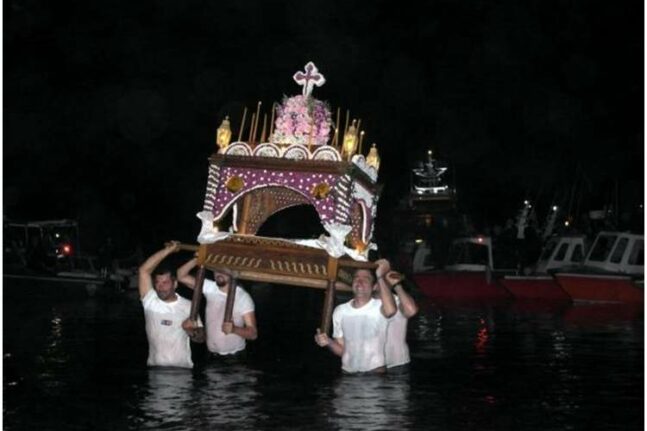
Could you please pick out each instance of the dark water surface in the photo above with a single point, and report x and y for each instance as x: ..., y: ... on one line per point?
x: 78, y: 363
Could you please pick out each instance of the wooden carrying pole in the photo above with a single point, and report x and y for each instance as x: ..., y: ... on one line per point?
x: 188, y: 247
x: 231, y: 297
x: 329, y: 299
x: 197, y: 294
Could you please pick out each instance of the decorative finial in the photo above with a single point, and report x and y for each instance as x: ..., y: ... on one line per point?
x: 223, y: 136
x: 373, y: 158
x: 349, y: 145
x: 310, y: 78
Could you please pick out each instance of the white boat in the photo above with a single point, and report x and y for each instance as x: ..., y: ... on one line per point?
x: 49, y: 251
x: 558, y: 252
x: 613, y: 270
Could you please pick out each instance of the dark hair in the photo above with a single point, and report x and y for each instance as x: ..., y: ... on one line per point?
x: 370, y: 271
x: 164, y: 269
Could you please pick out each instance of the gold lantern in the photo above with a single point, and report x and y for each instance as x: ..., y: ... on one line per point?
x: 350, y: 141
x: 373, y: 158
x: 223, y: 136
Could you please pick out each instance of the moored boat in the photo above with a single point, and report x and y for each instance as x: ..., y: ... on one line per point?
x: 613, y: 271
x: 467, y: 276
x: 559, y: 252
x: 48, y: 253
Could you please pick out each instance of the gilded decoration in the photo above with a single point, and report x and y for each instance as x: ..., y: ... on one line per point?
x: 234, y: 184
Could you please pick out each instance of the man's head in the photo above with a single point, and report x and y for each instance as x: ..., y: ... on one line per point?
x: 165, y: 283
x: 222, y: 277
x: 363, y: 283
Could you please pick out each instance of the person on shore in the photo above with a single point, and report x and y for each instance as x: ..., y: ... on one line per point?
x: 396, y: 349
x: 164, y: 312
x: 223, y: 338
x: 360, y: 325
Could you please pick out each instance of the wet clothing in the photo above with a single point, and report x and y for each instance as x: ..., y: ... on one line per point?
x: 168, y: 343
x: 364, y: 332
x: 396, y: 350
x: 218, y: 341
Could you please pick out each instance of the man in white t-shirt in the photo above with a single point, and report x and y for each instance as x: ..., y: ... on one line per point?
x: 223, y: 338
x: 164, y: 312
x: 360, y: 325
x: 396, y: 349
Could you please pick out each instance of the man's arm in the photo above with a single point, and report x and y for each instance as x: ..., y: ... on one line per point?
x: 388, y: 302
x: 183, y: 273
x: 146, y: 269
x: 248, y: 331
x: 408, y: 305
x: 335, y: 345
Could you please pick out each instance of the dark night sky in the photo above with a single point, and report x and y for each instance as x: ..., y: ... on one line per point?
x: 110, y: 108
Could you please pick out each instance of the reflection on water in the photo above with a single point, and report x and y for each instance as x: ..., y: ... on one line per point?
x: 80, y: 364
x: 216, y: 396
x: 166, y: 399
x: 368, y: 402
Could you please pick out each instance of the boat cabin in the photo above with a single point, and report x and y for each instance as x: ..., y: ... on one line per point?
x: 47, y: 243
x: 470, y: 254
x: 560, y: 252
x: 617, y: 252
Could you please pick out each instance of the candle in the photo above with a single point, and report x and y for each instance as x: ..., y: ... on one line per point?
x: 251, y: 129
x: 242, y: 125
x: 336, y: 128
x: 346, y: 125
x: 272, y: 120
x: 258, y: 117
x: 361, y: 138
x: 264, y: 124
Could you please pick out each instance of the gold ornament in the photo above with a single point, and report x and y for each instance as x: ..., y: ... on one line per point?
x: 223, y: 135
x: 234, y: 184
x: 373, y: 158
x: 350, y: 141
x: 320, y: 191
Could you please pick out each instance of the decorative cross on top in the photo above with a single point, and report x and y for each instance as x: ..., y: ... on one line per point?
x: 310, y: 78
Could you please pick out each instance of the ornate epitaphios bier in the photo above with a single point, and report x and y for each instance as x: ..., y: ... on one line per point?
x: 303, y: 161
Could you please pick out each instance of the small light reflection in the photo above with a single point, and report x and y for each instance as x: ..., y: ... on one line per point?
x: 56, y: 333
x: 490, y: 399
x: 482, y: 337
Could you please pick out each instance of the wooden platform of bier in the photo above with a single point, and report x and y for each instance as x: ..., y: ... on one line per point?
x: 273, y: 260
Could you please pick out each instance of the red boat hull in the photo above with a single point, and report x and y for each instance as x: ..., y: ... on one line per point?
x: 600, y: 314
x: 601, y: 288
x: 459, y: 286
x: 543, y: 288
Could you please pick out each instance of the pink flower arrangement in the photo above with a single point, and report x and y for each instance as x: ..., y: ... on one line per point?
x: 302, y: 120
